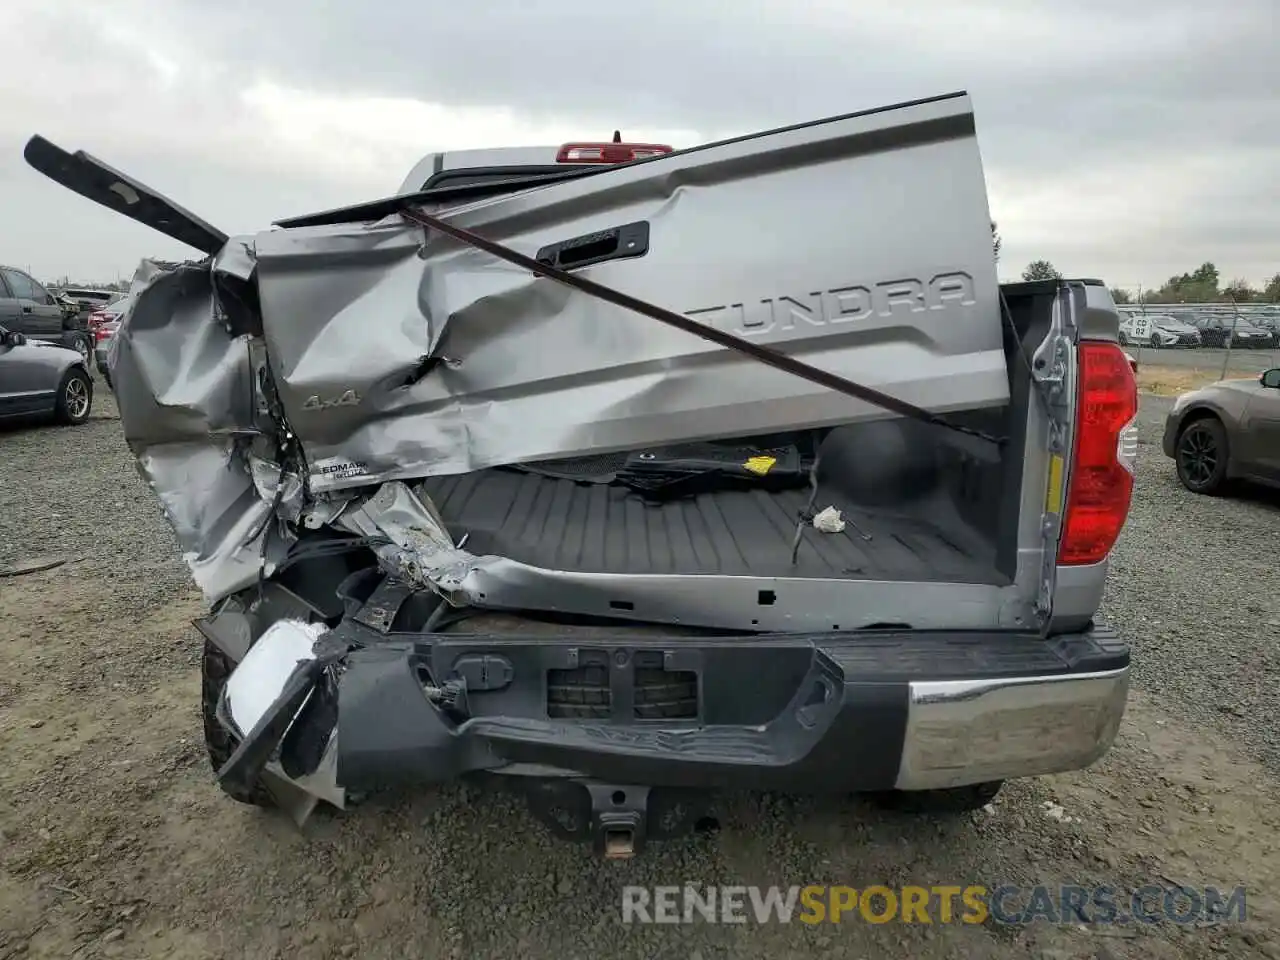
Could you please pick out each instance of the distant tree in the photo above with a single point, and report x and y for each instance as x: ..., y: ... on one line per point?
x: 1121, y: 295
x: 1199, y: 286
x: 995, y: 240
x: 1239, y: 291
x: 1272, y: 290
x: 1041, y: 270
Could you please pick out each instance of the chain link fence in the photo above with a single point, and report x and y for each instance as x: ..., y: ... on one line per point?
x: 1231, y: 339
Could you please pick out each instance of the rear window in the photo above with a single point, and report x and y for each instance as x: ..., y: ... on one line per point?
x: 23, y: 287
x: 474, y: 176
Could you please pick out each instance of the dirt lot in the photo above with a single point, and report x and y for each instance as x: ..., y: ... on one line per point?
x: 1172, y: 381
x: 1168, y: 373
x: 115, y: 843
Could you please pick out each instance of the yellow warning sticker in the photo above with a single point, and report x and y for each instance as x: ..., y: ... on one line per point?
x: 1053, y: 502
x: 760, y: 465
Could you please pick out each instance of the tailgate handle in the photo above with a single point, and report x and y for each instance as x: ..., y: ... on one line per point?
x: 630, y: 240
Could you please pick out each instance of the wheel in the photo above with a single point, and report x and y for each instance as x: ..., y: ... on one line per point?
x: 1201, y: 455
x: 106, y: 378
x: 215, y: 668
x: 75, y: 398
x: 1155, y: 342
x: 953, y: 800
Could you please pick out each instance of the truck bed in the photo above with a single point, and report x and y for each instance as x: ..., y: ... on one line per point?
x: 561, y: 524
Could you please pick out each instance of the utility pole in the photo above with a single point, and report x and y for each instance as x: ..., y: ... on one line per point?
x: 1235, y: 317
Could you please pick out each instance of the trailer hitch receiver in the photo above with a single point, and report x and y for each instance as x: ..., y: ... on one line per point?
x: 616, y: 818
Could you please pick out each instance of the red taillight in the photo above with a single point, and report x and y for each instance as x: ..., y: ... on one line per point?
x: 105, y: 330
x: 96, y: 319
x: 609, y: 152
x: 1106, y: 449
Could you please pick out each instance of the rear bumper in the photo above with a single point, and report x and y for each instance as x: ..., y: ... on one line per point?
x: 836, y: 713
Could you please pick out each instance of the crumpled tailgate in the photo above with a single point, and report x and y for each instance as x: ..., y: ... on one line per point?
x: 299, y: 362
x: 860, y: 244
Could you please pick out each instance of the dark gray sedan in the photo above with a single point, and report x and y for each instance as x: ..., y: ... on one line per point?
x: 38, y: 378
x: 1226, y: 430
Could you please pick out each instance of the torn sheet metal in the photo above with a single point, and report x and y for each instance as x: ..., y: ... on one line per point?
x: 228, y: 534
x: 419, y: 550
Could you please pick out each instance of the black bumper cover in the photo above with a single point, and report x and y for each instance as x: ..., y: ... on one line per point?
x: 836, y: 713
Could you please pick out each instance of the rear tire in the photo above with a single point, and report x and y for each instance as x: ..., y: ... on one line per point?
x: 948, y: 802
x: 215, y: 668
x: 75, y: 398
x: 1201, y: 455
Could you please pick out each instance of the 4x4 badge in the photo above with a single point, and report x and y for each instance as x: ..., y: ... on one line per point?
x: 348, y: 399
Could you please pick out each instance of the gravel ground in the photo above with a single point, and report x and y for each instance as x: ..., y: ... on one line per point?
x: 1195, y: 583
x: 115, y: 843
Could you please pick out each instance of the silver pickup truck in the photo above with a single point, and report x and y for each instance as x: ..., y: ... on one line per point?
x: 627, y: 472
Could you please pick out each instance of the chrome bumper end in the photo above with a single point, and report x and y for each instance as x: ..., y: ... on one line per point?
x: 970, y: 731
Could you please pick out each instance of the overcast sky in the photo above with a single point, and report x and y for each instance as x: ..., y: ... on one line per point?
x: 1127, y: 139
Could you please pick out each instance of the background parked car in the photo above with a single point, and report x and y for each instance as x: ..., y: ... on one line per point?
x: 1157, y: 330
x: 1226, y: 430
x: 70, y: 308
x: 1218, y: 330
x: 39, y: 378
x: 103, y: 325
x: 1269, y: 322
x: 26, y: 307
x: 88, y: 299
x: 1246, y: 333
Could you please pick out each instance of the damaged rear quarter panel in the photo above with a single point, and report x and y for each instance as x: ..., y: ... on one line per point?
x: 184, y: 387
